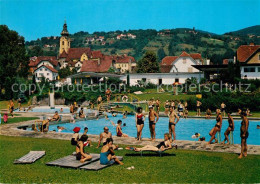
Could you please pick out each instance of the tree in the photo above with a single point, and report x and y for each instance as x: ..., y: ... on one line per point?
x: 148, y: 64
x: 64, y: 72
x: 13, y: 59
x: 161, y: 54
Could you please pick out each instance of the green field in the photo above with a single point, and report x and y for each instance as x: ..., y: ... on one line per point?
x: 178, y: 166
x: 18, y: 119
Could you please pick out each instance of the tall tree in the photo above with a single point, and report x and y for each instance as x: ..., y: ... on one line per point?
x: 13, y: 60
x: 161, y: 54
x: 148, y: 64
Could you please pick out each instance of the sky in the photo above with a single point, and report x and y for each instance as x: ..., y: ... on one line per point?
x: 38, y: 18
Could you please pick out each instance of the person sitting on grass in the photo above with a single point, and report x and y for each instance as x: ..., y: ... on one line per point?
x: 5, y: 118
x: 119, y: 132
x: 80, y: 153
x: 230, y: 128
x: 107, y: 153
x: 56, y: 117
x: 217, y: 127
x: 75, y: 136
x: 208, y: 114
x: 162, y: 146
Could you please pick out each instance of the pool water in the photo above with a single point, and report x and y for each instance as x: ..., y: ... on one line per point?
x: 66, y: 110
x: 184, y: 129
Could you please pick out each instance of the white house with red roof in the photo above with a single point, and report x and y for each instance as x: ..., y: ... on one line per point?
x: 181, y: 63
x: 45, y: 72
x: 249, y: 59
x: 36, y: 62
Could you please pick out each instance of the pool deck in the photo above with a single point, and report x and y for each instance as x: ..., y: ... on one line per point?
x: 12, y: 130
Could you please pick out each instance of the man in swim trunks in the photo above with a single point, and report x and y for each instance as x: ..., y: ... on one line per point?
x: 243, y: 133
x: 108, y: 94
x: 99, y: 101
x: 172, y: 123
x: 152, y: 122
x: 157, y: 104
x: 166, y: 107
x: 56, y: 117
x: 104, y: 135
x: 222, y: 108
x: 230, y: 128
x: 198, y: 107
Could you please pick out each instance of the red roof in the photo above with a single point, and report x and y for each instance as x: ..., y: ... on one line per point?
x: 166, y: 68
x: 76, y: 53
x: 49, y: 67
x: 34, y: 61
x: 96, y: 66
x: 96, y: 54
x: 245, y: 51
x: 196, y: 56
x: 184, y: 54
x: 168, y: 60
x: 124, y: 59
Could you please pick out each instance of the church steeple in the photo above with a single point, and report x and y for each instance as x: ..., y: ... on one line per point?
x: 65, y: 31
x: 64, y: 39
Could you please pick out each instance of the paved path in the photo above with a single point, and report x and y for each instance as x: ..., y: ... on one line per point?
x: 12, y: 130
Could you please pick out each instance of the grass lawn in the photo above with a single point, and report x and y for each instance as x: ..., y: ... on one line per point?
x: 18, y: 119
x: 179, y: 166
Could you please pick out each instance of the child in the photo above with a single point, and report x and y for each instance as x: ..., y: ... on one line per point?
x: 75, y: 137
x: 5, y: 118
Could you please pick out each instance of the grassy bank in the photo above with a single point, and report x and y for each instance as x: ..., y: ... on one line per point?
x: 178, y: 166
x: 17, y: 119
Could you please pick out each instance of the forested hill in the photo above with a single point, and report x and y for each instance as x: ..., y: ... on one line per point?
x: 163, y: 42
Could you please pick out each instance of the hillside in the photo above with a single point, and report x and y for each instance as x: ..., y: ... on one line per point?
x: 163, y: 42
x: 253, y: 30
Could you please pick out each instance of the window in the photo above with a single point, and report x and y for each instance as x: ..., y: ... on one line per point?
x: 62, y: 42
x: 176, y: 80
x: 48, y: 73
x: 184, y: 61
x: 190, y: 69
x: 249, y: 69
x: 144, y: 79
x: 259, y: 57
x: 40, y: 69
x: 160, y: 81
x: 45, y: 69
x: 258, y: 69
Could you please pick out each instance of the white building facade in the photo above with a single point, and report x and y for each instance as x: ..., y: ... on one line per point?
x: 46, y: 72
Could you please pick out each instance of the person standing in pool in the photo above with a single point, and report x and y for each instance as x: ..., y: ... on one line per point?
x: 172, y: 123
x: 139, y: 120
x: 230, y: 128
x: 119, y: 132
x: 217, y: 127
x: 243, y: 133
x: 152, y: 121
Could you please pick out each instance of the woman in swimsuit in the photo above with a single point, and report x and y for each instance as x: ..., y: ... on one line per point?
x: 164, y: 145
x: 80, y: 153
x: 217, y: 127
x: 119, y: 132
x: 230, y: 128
x: 139, y: 120
x: 107, y: 153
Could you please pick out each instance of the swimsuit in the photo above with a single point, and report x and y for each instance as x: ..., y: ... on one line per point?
x: 103, y: 158
x: 119, y: 133
x: 140, y: 119
x: 161, y: 144
x: 170, y: 124
x: 151, y: 123
x: 241, y: 131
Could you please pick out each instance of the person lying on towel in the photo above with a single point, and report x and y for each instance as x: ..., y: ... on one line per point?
x: 164, y: 145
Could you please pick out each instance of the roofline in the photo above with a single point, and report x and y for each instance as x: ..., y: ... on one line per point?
x: 251, y: 55
x: 45, y: 67
x: 94, y: 73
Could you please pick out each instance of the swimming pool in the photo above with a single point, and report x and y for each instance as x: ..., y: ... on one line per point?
x: 184, y: 129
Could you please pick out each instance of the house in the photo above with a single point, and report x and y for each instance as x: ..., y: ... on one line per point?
x: 124, y: 63
x: 100, y: 38
x: 36, y: 62
x: 129, y: 35
x: 90, y: 39
x: 118, y: 37
x: 46, y: 72
x: 181, y: 63
x: 249, y: 58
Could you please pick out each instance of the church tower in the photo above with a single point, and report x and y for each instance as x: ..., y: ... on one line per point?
x: 64, y: 39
